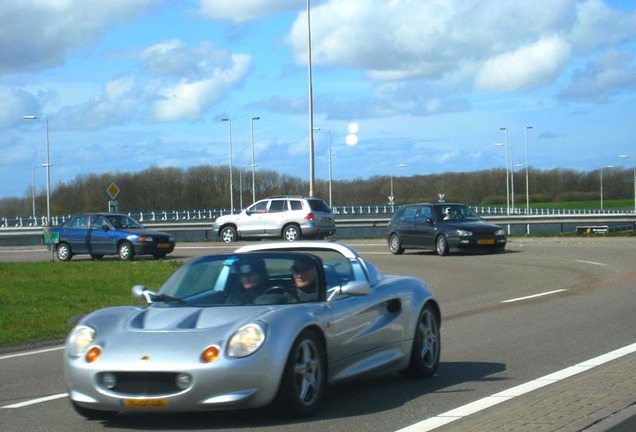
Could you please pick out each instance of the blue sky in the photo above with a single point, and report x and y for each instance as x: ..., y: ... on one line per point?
x: 130, y: 84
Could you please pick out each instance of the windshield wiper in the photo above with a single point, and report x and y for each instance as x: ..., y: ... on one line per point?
x: 167, y: 298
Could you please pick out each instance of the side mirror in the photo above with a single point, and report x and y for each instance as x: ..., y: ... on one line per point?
x: 140, y: 292
x: 355, y: 288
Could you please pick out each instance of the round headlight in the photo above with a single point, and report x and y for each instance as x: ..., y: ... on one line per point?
x: 79, y: 340
x: 247, y: 340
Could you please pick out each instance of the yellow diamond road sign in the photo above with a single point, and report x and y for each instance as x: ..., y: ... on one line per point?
x: 112, y: 191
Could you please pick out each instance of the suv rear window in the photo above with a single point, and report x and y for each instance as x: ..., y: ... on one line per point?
x: 296, y: 205
x: 319, y: 205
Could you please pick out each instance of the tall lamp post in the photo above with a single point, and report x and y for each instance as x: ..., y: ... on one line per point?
x: 48, y: 168
x: 608, y: 166
x: 33, y: 186
x: 330, y: 162
x: 229, y: 121
x: 624, y: 156
x: 311, y: 106
x: 253, y: 163
x: 527, y: 187
x: 505, y: 146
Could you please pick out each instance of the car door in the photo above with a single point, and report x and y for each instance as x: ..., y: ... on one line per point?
x: 406, y: 226
x: 250, y: 223
x: 76, y: 234
x: 361, y: 326
x: 424, y: 228
x: 101, y: 240
x: 273, y: 220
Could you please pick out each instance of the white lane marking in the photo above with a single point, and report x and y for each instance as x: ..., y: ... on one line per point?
x: 489, y: 401
x: 27, y: 353
x: 533, y: 296
x: 35, y: 401
x: 591, y: 262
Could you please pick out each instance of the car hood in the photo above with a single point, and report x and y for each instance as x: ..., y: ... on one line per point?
x: 476, y: 226
x: 167, y: 319
x: 143, y: 232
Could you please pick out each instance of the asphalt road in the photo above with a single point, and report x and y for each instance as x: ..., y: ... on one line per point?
x: 542, y: 306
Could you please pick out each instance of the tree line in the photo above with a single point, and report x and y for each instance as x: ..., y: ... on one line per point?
x: 207, y: 187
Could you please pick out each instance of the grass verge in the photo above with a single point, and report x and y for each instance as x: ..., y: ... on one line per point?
x: 39, y: 298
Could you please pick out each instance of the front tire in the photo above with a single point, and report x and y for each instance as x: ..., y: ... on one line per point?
x: 228, y: 235
x: 304, y: 382
x: 395, y: 245
x: 291, y: 233
x: 64, y: 252
x: 427, y: 344
x: 126, y: 251
x: 441, y: 245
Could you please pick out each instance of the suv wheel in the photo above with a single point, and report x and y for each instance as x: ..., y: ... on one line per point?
x: 228, y: 235
x: 291, y: 233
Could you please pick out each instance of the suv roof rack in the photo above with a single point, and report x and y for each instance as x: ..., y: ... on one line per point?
x: 285, y: 196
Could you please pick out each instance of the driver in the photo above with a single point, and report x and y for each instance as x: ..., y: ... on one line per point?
x: 254, y: 280
x: 304, y: 273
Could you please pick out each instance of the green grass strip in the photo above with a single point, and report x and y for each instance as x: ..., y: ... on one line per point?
x: 38, y: 299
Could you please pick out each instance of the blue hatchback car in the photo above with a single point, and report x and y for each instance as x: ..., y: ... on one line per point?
x: 99, y: 234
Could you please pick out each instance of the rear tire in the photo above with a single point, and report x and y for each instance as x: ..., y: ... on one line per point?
x: 304, y: 382
x: 64, y: 252
x: 441, y: 245
x: 291, y: 233
x: 395, y: 245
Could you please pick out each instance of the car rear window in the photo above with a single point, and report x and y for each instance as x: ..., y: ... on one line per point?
x: 296, y: 205
x: 319, y: 205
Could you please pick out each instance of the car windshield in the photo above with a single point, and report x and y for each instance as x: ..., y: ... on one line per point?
x: 121, y: 221
x: 456, y: 212
x: 245, y: 279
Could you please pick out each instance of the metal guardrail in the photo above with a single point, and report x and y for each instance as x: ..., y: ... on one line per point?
x: 626, y: 219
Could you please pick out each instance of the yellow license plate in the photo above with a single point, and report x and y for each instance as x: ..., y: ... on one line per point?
x: 486, y: 242
x: 163, y: 245
x: 145, y: 403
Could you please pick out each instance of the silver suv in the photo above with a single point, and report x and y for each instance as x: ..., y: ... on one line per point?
x: 290, y: 217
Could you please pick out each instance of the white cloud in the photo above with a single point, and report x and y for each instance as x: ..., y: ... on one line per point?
x: 37, y: 34
x: 15, y: 104
x: 188, y: 99
x: 239, y: 11
x: 175, y: 57
x: 526, y: 68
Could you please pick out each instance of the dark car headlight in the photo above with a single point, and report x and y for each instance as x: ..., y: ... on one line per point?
x: 464, y: 233
x: 500, y: 232
x: 246, y: 341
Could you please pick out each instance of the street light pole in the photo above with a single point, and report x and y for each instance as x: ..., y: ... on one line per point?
x: 507, y: 170
x: 311, y: 106
x: 48, y: 168
x: 229, y: 120
x: 33, y: 186
x: 253, y: 164
x: 624, y: 156
x: 330, y: 162
x: 527, y: 187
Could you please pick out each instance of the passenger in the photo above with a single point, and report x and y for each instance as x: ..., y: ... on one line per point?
x: 254, y: 281
x: 304, y: 273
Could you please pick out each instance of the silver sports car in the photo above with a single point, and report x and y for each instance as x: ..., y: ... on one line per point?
x: 273, y: 323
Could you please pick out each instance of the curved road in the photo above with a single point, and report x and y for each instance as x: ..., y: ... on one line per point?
x: 542, y: 306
